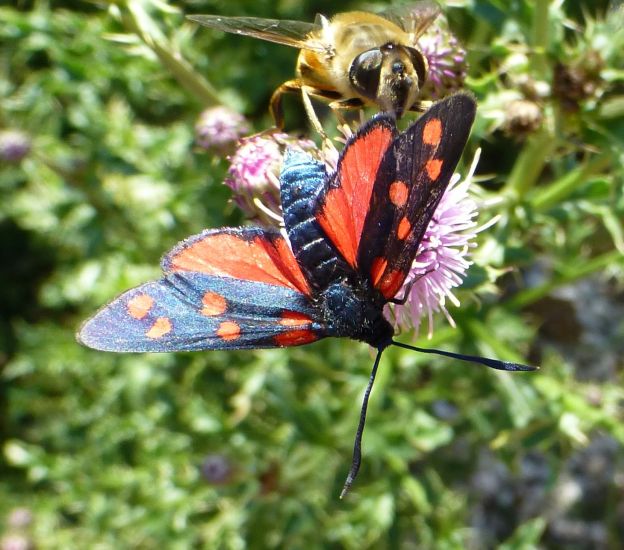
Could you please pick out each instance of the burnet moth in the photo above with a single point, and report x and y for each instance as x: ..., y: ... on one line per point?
x: 351, y: 239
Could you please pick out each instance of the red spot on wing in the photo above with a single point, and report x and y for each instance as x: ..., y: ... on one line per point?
x: 295, y: 337
x: 377, y: 269
x: 259, y: 258
x: 213, y: 304
x: 228, y: 330
x: 390, y: 283
x: 140, y: 305
x: 432, y: 132
x: 345, y: 207
x: 160, y: 328
x: 294, y: 319
x: 398, y: 193
x: 434, y: 167
x: 404, y: 228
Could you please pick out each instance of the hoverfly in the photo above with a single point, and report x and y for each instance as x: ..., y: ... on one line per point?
x: 351, y: 60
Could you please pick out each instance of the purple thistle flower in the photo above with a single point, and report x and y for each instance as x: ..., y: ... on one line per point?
x: 446, y: 59
x: 14, y: 145
x: 254, y: 172
x: 219, y: 128
x: 442, y: 258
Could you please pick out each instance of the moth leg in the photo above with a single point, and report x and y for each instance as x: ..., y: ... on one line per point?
x: 408, y: 289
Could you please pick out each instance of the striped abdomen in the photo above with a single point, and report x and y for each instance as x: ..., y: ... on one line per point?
x: 301, y: 181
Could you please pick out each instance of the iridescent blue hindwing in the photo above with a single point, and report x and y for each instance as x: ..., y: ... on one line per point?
x: 189, y: 311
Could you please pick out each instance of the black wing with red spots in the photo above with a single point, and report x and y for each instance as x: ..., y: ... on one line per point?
x: 412, y: 177
x: 222, y: 289
x: 345, y: 201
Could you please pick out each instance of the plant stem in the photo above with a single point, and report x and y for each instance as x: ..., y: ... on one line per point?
x: 138, y: 21
x: 561, y: 189
x: 529, y: 165
x: 540, y: 37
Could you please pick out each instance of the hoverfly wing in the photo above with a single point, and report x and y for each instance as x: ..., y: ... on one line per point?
x: 413, y: 18
x: 287, y: 32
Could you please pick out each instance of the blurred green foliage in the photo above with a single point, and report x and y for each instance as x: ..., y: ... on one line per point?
x: 250, y: 449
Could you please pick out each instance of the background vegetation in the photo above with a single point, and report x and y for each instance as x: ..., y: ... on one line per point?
x: 250, y: 449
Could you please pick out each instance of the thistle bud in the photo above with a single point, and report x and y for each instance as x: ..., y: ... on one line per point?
x: 576, y: 82
x: 522, y: 117
x: 14, y: 145
x: 219, y: 128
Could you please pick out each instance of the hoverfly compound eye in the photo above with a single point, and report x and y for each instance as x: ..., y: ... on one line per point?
x: 364, y: 72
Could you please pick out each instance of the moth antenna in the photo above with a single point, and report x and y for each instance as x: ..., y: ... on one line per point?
x: 357, y: 446
x: 492, y: 363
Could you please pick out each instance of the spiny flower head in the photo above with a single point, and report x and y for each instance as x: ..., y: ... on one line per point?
x: 446, y: 59
x: 522, y: 118
x: 254, y: 172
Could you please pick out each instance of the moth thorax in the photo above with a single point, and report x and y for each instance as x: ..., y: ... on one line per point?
x: 357, y: 315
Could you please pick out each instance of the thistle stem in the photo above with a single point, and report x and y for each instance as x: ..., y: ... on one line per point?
x: 529, y: 165
x: 136, y: 19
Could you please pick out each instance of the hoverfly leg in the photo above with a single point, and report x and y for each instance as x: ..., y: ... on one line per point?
x: 342, y: 120
x: 421, y: 106
x: 341, y: 105
x: 306, y: 92
x: 336, y: 106
x: 346, y: 104
x: 275, y: 104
